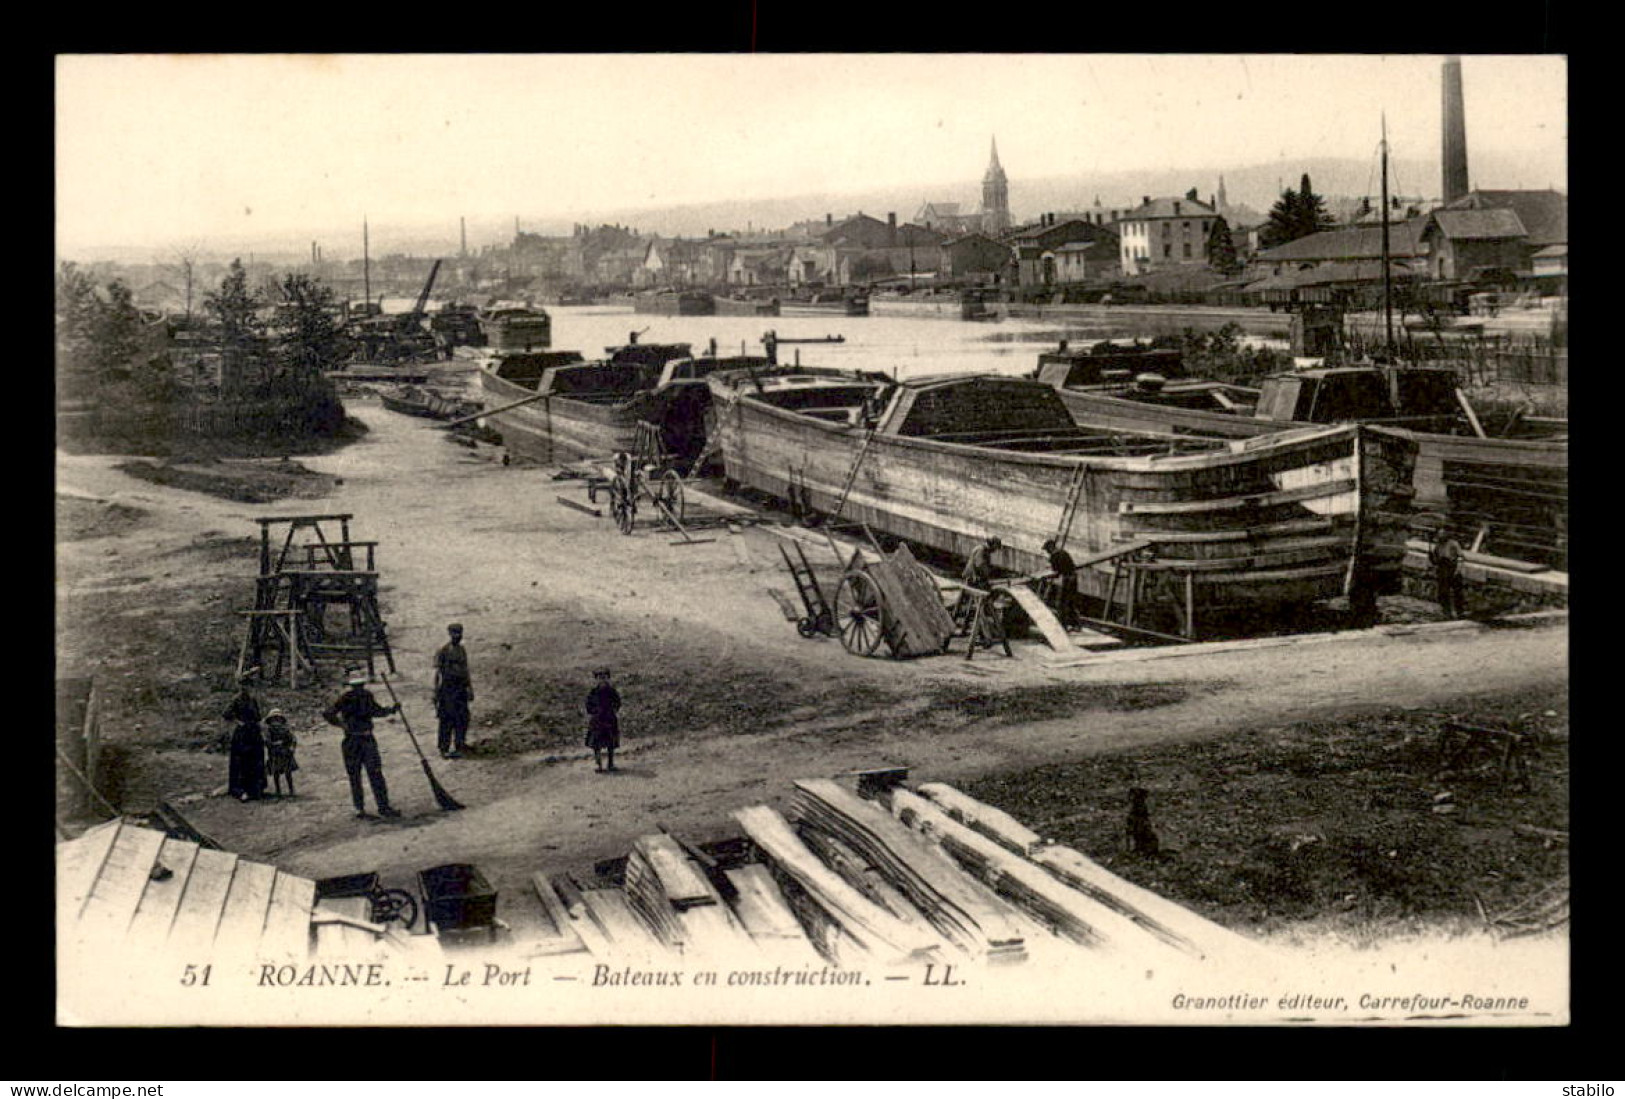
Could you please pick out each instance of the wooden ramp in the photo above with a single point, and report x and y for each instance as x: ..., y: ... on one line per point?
x: 1044, y: 618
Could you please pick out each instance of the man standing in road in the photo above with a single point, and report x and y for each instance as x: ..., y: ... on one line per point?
x: 453, y: 691
x: 353, y: 712
x: 603, y: 720
x: 1445, y: 557
x: 1066, y: 583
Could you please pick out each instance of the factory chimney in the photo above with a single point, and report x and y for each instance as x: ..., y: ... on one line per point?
x: 1454, y: 153
x: 462, y: 224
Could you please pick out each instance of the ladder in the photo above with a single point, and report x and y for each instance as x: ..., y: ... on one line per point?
x: 1069, y: 510
x: 852, y: 474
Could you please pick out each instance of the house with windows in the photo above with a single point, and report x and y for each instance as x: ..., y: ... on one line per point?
x: 948, y: 218
x: 975, y: 256
x: 1345, y: 246
x: 1480, y: 241
x: 1474, y: 245
x: 1082, y: 261
x: 759, y: 266
x: 1164, y: 232
x: 1033, y: 246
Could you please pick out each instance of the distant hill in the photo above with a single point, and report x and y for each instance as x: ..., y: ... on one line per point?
x: 1256, y: 186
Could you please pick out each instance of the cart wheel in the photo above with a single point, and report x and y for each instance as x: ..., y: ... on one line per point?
x: 806, y: 628
x: 389, y: 905
x: 671, y: 493
x: 622, y: 506
x: 857, y: 614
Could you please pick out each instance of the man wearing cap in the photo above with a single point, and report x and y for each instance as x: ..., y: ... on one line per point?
x: 1066, y: 583
x: 353, y: 712
x: 1445, y: 557
x: 453, y: 691
x: 603, y: 720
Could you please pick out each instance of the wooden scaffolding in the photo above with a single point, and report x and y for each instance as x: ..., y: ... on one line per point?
x: 314, y: 600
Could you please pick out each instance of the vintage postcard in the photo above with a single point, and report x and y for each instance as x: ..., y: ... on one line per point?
x: 812, y: 538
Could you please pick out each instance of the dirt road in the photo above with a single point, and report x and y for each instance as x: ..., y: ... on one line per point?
x: 725, y: 705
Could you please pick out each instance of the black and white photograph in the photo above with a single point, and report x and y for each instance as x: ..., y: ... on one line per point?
x: 811, y: 539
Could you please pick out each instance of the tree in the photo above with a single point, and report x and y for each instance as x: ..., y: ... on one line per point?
x: 1221, y: 249
x: 312, y: 341
x: 235, y: 313
x: 185, y: 269
x: 1312, y: 209
x: 1295, y: 214
x: 104, y: 344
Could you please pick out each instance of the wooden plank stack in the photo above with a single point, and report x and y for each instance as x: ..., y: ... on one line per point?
x: 672, y: 895
x: 994, y: 823
x: 1067, y: 912
x: 876, y: 931
x: 768, y: 918
x: 625, y: 934
x: 908, y: 868
x: 1174, y: 924
x: 563, y: 939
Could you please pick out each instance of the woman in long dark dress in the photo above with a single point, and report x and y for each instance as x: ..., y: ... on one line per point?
x: 246, y: 781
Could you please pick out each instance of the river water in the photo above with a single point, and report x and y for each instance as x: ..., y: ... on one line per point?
x: 902, y: 338
x: 903, y: 344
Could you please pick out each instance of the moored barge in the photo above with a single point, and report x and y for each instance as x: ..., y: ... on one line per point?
x: 517, y: 328
x: 682, y: 303
x: 847, y: 303
x: 747, y: 307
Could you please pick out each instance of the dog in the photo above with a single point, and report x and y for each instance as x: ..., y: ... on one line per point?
x: 1141, y: 838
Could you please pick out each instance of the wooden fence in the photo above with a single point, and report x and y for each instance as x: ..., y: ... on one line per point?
x: 226, y: 419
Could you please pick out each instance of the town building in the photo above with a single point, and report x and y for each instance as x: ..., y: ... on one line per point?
x: 947, y: 218
x: 1034, y: 248
x: 1476, y: 245
x: 1345, y: 246
x: 1544, y: 214
x: 976, y: 256
x: 1082, y: 261
x: 1165, y: 232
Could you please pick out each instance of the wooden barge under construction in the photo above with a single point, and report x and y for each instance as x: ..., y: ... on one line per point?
x: 946, y: 462
x: 1509, y: 494
x: 556, y: 407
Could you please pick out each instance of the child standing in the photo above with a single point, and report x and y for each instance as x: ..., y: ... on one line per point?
x: 279, y: 745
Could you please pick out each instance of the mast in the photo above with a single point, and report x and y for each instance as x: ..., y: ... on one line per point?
x: 366, y: 265
x: 1387, y: 288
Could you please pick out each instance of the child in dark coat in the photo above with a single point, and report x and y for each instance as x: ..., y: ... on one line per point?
x: 279, y: 745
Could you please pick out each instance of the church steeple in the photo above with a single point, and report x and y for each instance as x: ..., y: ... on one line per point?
x: 995, y: 195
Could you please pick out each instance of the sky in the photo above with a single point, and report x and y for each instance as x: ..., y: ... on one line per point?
x: 173, y: 150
